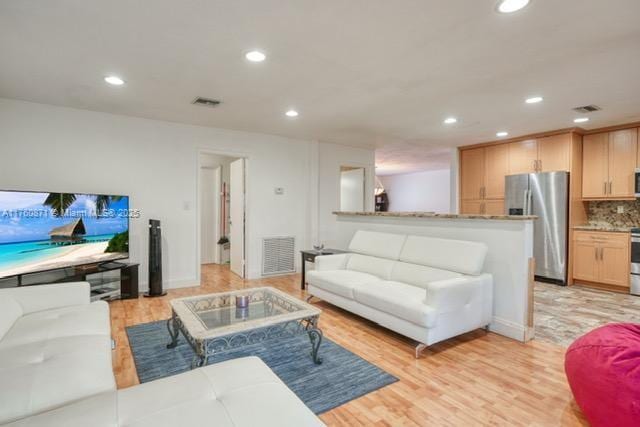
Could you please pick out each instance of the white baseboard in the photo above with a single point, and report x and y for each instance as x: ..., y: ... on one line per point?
x: 510, y: 329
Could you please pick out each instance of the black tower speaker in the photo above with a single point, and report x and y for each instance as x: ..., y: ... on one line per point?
x: 155, y: 260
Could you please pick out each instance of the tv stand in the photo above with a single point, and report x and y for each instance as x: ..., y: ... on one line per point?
x: 105, y: 283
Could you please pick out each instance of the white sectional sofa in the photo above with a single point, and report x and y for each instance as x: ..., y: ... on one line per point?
x: 56, y: 370
x: 426, y: 288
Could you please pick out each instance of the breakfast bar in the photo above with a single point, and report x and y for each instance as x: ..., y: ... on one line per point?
x: 509, y: 239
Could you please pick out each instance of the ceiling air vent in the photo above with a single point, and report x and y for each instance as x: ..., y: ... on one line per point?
x: 587, y: 109
x: 206, y: 102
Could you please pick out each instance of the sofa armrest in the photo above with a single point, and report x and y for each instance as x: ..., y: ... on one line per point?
x: 331, y: 262
x: 47, y: 297
x: 451, y: 294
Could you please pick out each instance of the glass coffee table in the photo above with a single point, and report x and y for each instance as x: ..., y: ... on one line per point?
x: 212, y: 323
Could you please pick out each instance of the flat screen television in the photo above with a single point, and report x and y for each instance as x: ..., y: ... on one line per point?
x: 42, y: 231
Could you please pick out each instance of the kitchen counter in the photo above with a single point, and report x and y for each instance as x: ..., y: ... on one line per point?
x: 435, y: 215
x: 603, y: 227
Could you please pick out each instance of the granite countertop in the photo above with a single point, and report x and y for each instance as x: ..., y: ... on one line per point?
x: 437, y: 216
x: 602, y: 227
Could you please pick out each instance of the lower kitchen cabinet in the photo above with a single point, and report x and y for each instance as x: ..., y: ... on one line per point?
x: 601, y: 258
x: 482, y: 207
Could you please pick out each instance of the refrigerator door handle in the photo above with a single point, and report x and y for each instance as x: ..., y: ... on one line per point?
x: 526, y: 202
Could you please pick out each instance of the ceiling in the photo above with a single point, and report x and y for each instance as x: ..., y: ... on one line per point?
x: 371, y: 73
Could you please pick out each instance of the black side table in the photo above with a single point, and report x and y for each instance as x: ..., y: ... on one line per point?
x: 310, y: 255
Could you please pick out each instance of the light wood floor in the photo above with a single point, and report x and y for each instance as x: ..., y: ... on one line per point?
x: 477, y: 379
x: 563, y: 313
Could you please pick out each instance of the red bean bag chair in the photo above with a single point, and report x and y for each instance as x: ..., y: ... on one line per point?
x: 603, y: 369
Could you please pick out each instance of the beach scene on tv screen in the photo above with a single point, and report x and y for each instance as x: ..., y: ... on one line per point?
x: 43, y: 231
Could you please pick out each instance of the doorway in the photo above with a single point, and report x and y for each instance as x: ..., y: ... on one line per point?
x: 221, y: 183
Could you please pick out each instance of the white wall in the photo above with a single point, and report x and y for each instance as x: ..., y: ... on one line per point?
x: 330, y: 158
x: 156, y: 163
x: 427, y: 191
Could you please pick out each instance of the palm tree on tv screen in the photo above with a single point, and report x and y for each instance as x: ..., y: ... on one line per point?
x: 60, y: 203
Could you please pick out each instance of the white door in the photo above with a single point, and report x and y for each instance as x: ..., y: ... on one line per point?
x: 236, y: 213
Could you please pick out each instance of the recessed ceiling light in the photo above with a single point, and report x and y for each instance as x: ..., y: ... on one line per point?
x: 502, y: 134
x: 450, y: 120
x: 291, y: 113
x: 114, y: 80
x: 510, y: 6
x: 255, y: 56
x: 581, y: 120
x: 533, y: 100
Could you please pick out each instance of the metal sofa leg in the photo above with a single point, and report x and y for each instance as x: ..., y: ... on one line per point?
x: 419, y: 349
x: 309, y: 298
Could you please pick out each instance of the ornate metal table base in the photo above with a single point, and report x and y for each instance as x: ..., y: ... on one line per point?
x: 204, y: 349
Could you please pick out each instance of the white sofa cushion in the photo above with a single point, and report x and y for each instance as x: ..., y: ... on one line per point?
x: 86, y: 319
x: 340, y: 282
x: 383, y: 245
x: 47, y: 297
x: 399, y: 299
x: 43, y: 375
x: 99, y: 410
x: 379, y: 267
x: 419, y: 275
x: 454, y: 255
x: 10, y: 311
x: 240, y: 392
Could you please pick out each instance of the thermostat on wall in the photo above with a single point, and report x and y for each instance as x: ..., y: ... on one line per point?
x: 279, y: 191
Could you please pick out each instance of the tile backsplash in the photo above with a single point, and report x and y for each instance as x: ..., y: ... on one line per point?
x: 606, y: 213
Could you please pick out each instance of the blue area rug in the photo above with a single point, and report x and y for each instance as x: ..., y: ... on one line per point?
x: 341, y: 377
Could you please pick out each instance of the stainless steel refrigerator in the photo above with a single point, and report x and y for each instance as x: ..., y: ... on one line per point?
x: 545, y: 195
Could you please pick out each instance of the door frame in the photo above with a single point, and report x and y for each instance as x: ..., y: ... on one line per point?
x: 369, y: 176
x: 243, y: 200
x: 247, y: 207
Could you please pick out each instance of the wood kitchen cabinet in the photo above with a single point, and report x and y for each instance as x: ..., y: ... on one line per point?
x: 602, y: 258
x: 482, y: 172
x: 623, y: 150
x: 472, y: 169
x: 547, y: 154
x: 494, y: 207
x: 482, y: 207
x: 609, y: 162
x: 523, y: 156
x: 554, y: 153
x: 471, y: 207
x: 496, y: 168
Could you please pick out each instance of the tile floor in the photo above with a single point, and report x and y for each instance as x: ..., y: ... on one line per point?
x: 562, y: 314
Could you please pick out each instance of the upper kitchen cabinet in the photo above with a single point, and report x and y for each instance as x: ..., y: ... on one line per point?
x: 595, y: 165
x: 472, y: 171
x: 496, y: 168
x: 523, y: 156
x: 554, y: 153
x: 623, y: 150
x: 548, y: 154
x: 609, y: 162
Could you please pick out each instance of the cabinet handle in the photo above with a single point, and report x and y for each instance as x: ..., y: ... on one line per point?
x: 605, y: 187
x: 535, y: 165
x: 539, y: 165
x: 610, y: 185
